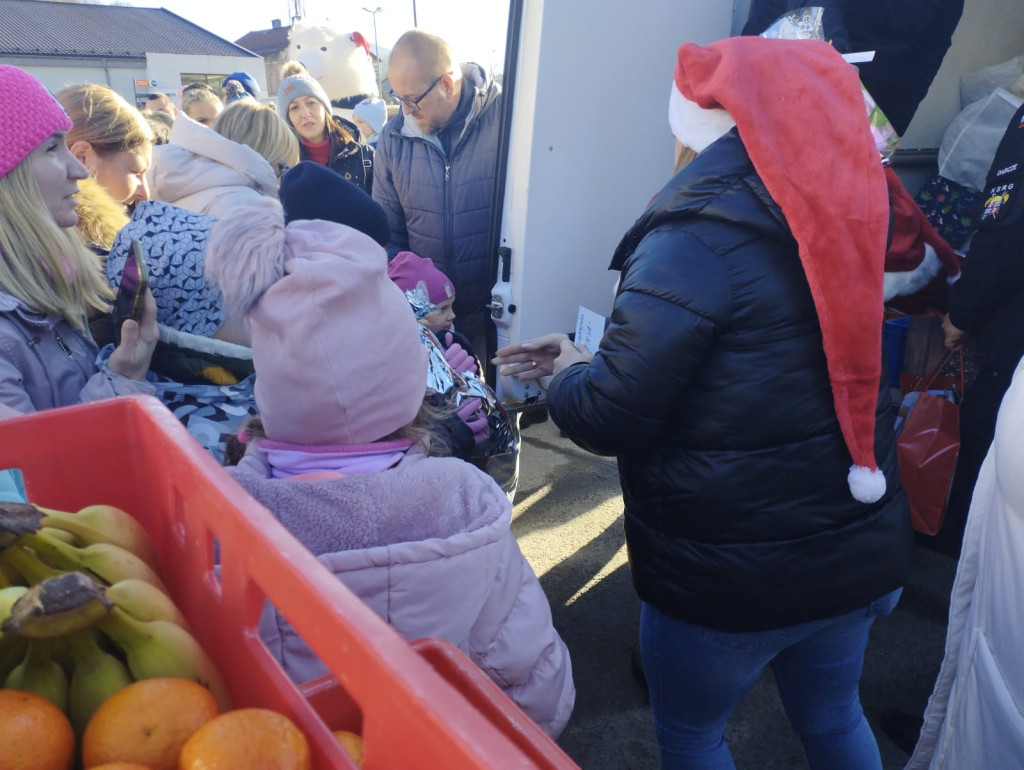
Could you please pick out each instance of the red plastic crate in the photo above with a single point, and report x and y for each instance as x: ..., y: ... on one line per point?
x: 423, y: 705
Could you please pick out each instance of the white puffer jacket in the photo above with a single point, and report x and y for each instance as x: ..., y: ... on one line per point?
x: 202, y: 171
x: 975, y: 717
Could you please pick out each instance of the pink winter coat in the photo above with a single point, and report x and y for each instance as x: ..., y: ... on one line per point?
x: 427, y: 545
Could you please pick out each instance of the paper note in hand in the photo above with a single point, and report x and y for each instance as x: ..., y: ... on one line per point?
x: 589, y: 329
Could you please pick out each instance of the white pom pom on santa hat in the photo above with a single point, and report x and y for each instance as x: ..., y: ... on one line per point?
x: 866, y: 485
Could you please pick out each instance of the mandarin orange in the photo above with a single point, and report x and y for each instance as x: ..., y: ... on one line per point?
x: 352, y: 743
x: 147, y: 723
x: 248, y: 739
x: 34, y: 734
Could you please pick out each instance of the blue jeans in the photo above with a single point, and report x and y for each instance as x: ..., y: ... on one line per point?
x: 698, y: 675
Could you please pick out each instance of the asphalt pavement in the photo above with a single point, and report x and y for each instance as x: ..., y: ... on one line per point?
x: 568, y: 519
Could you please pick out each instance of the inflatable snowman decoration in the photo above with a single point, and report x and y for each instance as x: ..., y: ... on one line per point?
x: 340, y: 61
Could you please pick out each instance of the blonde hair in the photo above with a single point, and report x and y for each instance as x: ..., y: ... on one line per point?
x: 104, y: 119
x: 194, y: 93
x: 44, y: 265
x: 259, y: 126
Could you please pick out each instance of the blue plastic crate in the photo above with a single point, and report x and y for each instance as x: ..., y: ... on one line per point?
x: 895, y: 336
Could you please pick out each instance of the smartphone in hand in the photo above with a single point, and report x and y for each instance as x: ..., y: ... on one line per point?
x: 131, y: 294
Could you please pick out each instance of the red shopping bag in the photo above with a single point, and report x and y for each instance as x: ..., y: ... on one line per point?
x: 927, y: 450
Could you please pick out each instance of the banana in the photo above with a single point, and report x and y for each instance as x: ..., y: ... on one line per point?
x: 60, y: 534
x: 24, y: 562
x: 104, y: 524
x: 12, y: 648
x: 8, y: 575
x: 41, y: 674
x: 144, y: 601
x: 58, y: 606
x: 159, y: 648
x: 8, y: 598
x: 12, y: 652
x: 17, y: 519
x: 110, y: 563
x: 95, y: 676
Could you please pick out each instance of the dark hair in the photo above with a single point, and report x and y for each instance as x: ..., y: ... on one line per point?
x: 161, y: 124
x: 338, y: 134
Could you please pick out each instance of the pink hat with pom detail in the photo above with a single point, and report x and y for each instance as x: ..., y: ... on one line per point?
x: 408, y: 270
x: 337, y: 353
x: 28, y: 115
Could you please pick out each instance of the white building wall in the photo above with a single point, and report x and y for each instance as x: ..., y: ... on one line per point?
x: 56, y: 72
x: 166, y: 69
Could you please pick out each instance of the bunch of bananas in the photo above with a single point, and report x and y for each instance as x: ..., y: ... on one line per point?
x: 84, y: 612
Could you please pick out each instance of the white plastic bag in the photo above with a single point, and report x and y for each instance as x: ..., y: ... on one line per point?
x: 969, y: 144
x: 980, y: 83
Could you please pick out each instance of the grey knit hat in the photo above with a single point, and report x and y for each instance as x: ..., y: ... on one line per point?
x: 300, y: 85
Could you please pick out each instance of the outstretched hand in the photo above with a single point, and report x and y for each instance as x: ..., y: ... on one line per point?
x: 138, y: 339
x: 540, y: 356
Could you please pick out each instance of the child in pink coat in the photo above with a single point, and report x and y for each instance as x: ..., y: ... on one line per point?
x: 340, y: 371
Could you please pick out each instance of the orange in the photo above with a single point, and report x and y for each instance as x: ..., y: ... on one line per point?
x: 248, y: 739
x: 147, y: 723
x: 119, y: 766
x: 352, y: 743
x: 34, y: 734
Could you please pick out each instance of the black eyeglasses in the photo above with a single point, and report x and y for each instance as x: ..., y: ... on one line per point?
x: 413, y: 105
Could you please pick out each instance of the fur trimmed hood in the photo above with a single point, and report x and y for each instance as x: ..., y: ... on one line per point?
x: 100, y: 217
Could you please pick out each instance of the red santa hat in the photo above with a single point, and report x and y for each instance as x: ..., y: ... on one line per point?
x: 800, y: 112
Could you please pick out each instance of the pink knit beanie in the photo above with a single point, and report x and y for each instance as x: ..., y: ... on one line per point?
x: 337, y: 353
x: 408, y: 270
x: 28, y: 115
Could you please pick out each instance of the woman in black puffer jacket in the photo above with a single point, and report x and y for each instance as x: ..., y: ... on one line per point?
x: 750, y: 541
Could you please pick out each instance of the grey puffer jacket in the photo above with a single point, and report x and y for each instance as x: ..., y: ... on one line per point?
x: 438, y: 205
x: 45, y: 362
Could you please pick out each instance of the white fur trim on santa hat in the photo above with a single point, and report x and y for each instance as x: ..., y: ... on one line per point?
x: 693, y: 125
x: 909, y: 281
x: 866, y: 485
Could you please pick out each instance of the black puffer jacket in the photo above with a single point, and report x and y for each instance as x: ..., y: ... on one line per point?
x: 711, y: 387
x: 353, y: 159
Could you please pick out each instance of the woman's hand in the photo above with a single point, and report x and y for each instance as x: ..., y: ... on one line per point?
x: 539, y: 357
x: 952, y: 334
x: 138, y: 339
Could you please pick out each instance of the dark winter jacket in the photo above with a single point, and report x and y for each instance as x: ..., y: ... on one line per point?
x: 438, y: 204
x: 988, y: 300
x: 353, y: 160
x: 711, y: 387
x: 909, y: 37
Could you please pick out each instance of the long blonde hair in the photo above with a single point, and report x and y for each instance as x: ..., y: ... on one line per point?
x: 104, y: 119
x: 260, y: 127
x: 44, y: 265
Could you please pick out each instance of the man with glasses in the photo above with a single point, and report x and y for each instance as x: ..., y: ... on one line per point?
x: 435, y: 166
